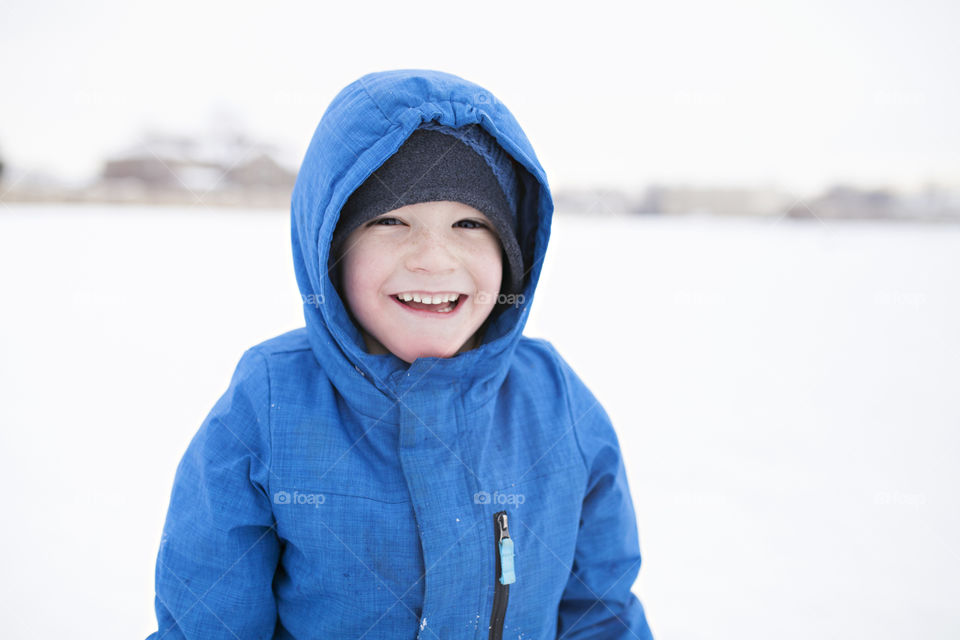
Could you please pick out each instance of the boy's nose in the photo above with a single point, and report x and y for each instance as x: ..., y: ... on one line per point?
x: 430, y: 251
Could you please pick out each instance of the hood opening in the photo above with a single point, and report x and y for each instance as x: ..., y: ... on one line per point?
x: 507, y: 299
x: 362, y: 127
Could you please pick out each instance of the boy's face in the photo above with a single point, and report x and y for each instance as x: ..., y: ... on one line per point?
x: 430, y: 248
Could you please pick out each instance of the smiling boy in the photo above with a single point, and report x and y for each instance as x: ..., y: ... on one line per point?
x: 422, y: 277
x: 405, y: 467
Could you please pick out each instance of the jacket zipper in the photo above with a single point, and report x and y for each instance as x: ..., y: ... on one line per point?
x: 503, y: 551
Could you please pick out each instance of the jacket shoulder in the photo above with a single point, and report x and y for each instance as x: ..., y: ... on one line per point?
x: 536, y: 350
x: 289, y: 363
x: 587, y: 418
x: 295, y: 340
x: 533, y: 352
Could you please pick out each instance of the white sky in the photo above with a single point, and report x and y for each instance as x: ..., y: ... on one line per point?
x: 796, y: 94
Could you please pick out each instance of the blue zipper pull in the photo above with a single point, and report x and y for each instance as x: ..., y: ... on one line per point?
x: 507, y: 575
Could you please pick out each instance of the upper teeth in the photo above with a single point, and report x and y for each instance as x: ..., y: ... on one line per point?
x: 437, y: 299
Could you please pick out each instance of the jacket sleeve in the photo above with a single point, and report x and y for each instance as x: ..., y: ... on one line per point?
x: 597, y: 601
x: 219, y: 549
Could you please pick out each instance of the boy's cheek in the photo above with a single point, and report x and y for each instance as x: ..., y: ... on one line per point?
x: 361, y: 274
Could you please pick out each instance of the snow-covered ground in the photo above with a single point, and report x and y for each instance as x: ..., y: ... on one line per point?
x: 787, y: 396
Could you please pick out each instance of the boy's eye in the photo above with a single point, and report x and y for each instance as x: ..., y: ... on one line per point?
x: 386, y: 221
x: 472, y: 224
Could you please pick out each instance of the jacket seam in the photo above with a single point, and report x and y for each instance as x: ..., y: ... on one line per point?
x: 270, y: 472
x: 279, y: 352
x: 363, y: 85
x: 566, y: 395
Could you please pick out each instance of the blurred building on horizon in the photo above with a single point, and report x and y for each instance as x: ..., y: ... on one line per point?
x: 227, y: 168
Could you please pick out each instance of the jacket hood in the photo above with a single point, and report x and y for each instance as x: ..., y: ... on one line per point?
x: 364, y: 125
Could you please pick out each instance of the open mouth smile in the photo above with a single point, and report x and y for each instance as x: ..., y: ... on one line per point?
x: 430, y: 304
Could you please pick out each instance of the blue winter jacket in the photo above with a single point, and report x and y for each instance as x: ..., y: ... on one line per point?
x: 331, y: 493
